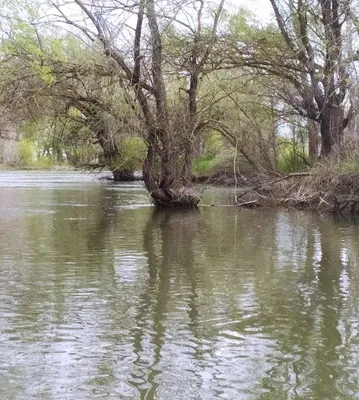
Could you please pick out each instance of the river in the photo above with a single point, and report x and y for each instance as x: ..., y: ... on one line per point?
x: 103, y: 297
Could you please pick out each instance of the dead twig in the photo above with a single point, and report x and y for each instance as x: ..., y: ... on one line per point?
x: 282, y: 178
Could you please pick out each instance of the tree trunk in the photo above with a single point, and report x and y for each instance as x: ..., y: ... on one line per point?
x: 107, y: 143
x: 109, y: 147
x: 171, y: 193
x: 166, y: 187
x: 331, y: 129
x: 169, y: 187
x: 313, y: 141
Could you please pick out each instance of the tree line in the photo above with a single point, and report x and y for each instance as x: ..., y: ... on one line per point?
x: 151, y: 82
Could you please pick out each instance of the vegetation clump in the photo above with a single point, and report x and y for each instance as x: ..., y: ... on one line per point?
x: 329, y: 186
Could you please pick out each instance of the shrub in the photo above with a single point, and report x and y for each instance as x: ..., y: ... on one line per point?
x: 26, y: 153
x: 290, y: 159
x: 204, y: 164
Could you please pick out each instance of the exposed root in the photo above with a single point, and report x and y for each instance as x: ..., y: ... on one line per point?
x: 182, y: 197
x: 125, y: 176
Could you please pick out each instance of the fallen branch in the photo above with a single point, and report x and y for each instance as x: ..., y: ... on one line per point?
x: 249, y: 204
x: 282, y: 178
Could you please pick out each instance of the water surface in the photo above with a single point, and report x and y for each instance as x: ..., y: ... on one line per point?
x: 103, y: 297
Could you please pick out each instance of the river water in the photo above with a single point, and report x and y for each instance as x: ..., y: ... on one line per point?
x: 103, y: 297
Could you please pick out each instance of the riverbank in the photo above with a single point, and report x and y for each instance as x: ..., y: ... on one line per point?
x: 326, y: 188
x: 8, y: 167
x: 4, y: 167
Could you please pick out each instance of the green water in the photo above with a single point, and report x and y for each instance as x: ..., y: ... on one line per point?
x: 102, y: 297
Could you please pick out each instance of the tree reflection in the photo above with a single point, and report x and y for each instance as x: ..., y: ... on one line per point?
x: 313, y: 344
x: 168, y: 242
x: 182, y: 305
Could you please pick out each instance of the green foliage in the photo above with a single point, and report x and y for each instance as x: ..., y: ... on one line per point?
x: 132, y: 154
x: 290, y: 159
x: 78, y: 156
x: 43, y: 163
x: 204, y: 164
x: 349, y: 164
x: 213, y: 143
x: 24, y: 39
x: 30, y: 129
x: 250, y: 32
x: 26, y: 153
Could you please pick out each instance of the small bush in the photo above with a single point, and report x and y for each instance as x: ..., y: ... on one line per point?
x: 204, y: 164
x: 27, y: 158
x: 43, y: 163
x: 26, y: 153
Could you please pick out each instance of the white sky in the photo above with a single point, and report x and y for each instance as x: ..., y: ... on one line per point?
x: 261, y: 8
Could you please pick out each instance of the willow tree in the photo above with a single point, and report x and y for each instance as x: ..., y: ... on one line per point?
x: 311, y: 53
x: 44, y: 75
x: 141, y: 65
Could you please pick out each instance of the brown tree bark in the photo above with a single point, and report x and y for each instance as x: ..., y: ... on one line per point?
x: 313, y: 141
x: 331, y: 130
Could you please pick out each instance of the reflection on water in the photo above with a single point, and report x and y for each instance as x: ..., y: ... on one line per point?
x: 101, y: 296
